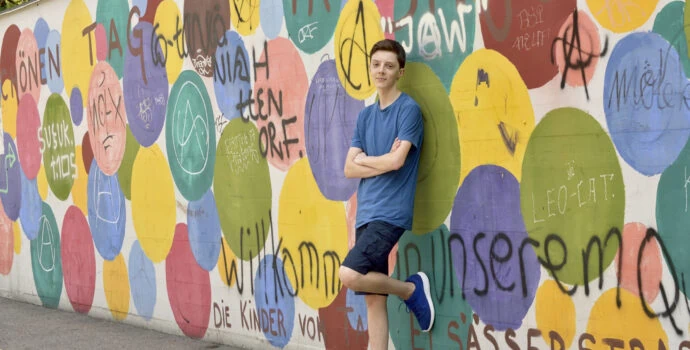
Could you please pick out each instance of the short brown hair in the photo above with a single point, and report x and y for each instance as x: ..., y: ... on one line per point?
x: 392, y: 46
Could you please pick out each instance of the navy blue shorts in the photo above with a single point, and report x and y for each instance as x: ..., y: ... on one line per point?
x: 373, y: 243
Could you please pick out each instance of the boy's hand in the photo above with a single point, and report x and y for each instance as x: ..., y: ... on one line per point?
x: 395, y: 145
x: 359, y: 157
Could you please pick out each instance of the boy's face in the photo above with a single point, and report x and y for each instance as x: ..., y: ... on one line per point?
x: 385, y: 69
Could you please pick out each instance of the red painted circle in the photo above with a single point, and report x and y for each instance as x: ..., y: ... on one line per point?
x: 189, y: 286
x: 78, y: 260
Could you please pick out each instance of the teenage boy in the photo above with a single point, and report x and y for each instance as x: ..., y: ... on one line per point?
x: 385, y: 153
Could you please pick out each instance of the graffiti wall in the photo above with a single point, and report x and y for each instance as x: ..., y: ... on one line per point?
x: 178, y: 165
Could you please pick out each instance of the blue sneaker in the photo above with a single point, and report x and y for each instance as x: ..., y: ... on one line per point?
x: 420, y: 302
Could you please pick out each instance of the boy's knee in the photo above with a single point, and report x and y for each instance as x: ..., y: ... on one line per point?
x: 348, y: 277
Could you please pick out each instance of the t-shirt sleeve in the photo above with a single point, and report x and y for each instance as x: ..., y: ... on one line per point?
x: 357, y: 137
x: 411, y: 126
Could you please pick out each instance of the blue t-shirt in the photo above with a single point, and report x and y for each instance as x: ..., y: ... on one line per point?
x: 389, y: 197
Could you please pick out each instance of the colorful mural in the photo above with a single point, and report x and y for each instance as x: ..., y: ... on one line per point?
x: 182, y: 162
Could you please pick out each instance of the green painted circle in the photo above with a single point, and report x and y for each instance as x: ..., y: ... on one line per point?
x: 190, y: 136
x: 46, y: 261
x: 439, y: 165
x: 310, y: 24
x: 59, y: 157
x: 113, y: 15
x: 242, y: 187
x: 567, y: 151
x: 672, y: 207
x: 449, y: 302
x: 124, y: 173
x: 669, y: 24
x: 442, y: 52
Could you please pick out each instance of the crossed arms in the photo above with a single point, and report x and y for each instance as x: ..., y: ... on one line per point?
x: 359, y: 165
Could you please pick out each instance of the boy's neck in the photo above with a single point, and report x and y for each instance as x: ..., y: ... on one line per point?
x: 388, y: 96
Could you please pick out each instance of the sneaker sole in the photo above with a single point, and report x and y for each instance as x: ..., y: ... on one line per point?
x: 427, y: 294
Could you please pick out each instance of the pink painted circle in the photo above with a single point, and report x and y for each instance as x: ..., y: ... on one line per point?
x: 189, y: 286
x: 107, y: 119
x: 78, y: 260
x: 589, y: 45
x: 28, y: 145
x: 650, y: 266
x: 6, y: 243
x: 280, y: 101
x: 28, y: 65
x: 101, y: 42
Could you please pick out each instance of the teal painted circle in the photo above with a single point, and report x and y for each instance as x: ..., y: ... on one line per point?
x: 190, y: 136
x: 46, y: 262
x: 672, y: 219
x: 310, y: 24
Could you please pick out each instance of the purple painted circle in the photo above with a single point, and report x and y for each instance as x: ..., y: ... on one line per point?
x: 76, y: 106
x: 10, y: 179
x: 330, y: 117
x: 487, y: 215
x: 145, y: 88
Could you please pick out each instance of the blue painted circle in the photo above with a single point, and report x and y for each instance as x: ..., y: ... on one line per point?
x: 358, y: 314
x: 271, y: 17
x: 142, y: 281
x: 107, y: 215
x: 51, y: 57
x: 232, y: 78
x: 275, y: 305
x: 204, y: 231
x: 645, y: 92
x: 31, y: 208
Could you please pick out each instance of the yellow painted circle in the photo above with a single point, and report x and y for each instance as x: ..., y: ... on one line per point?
x: 16, y: 228
x: 607, y: 320
x: 9, y: 105
x: 116, y: 287
x: 245, y: 16
x: 153, y: 203
x: 75, y: 48
x: 42, y: 182
x: 226, y: 261
x: 81, y: 182
x: 549, y: 298
x: 358, y: 29
x: 312, y: 225
x: 169, y: 23
x: 621, y: 15
x: 493, y: 111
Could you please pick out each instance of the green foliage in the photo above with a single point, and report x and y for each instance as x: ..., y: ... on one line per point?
x: 9, y: 4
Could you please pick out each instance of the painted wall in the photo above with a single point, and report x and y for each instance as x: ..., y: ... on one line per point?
x: 177, y: 165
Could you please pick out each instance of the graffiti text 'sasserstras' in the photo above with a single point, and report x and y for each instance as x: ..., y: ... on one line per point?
x: 582, y: 193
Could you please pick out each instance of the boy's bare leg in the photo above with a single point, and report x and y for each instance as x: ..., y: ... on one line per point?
x: 377, y: 319
x: 375, y: 282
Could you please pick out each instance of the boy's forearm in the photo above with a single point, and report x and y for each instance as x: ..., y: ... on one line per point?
x: 355, y: 170
x: 384, y: 163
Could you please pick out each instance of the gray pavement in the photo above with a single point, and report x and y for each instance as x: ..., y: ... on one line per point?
x: 28, y: 326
